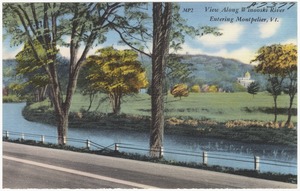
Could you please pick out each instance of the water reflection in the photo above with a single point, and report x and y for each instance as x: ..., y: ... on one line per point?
x: 13, y: 121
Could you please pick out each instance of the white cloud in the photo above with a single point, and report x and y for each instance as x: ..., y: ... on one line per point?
x: 186, y: 49
x: 290, y: 41
x: 64, y: 51
x: 231, y: 34
x: 10, y: 53
x: 267, y: 30
x: 243, y: 54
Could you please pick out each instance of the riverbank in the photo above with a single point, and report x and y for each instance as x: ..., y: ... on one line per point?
x: 12, y: 99
x: 237, y: 130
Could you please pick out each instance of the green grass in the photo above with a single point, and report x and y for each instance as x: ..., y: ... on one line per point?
x: 11, y: 99
x: 220, y: 107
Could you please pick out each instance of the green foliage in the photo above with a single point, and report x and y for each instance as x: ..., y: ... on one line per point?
x: 196, y: 88
x: 213, y: 89
x: 50, y: 23
x: 115, y: 72
x: 237, y: 87
x: 274, y: 87
x: 276, y: 59
x: 32, y: 70
x: 11, y: 99
x: 278, y: 62
x: 209, y: 70
x: 177, y: 71
x: 140, y: 31
x: 253, y: 88
x: 180, y: 90
x: 213, y: 115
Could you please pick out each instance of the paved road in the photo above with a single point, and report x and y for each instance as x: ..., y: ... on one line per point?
x: 35, y: 167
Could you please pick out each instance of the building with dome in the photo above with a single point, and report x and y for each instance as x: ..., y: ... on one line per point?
x: 246, y: 80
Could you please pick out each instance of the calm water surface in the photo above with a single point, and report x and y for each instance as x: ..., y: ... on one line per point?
x: 216, y: 148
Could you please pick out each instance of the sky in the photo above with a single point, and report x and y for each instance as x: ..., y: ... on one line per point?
x: 244, y: 30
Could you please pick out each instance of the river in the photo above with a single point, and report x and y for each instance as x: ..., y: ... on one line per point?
x: 216, y: 148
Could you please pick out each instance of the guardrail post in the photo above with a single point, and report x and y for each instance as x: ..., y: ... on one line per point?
x: 88, y: 144
x: 116, y: 147
x: 256, y: 163
x: 6, y: 134
x: 42, y: 139
x: 205, y: 156
x: 161, y: 152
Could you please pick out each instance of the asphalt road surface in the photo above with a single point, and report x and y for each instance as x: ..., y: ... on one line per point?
x: 35, y: 167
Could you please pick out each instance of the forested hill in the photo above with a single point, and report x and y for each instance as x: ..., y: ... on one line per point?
x: 204, y: 69
x: 214, y: 70
x: 9, y: 71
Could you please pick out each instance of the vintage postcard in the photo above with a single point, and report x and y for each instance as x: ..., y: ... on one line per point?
x: 160, y: 95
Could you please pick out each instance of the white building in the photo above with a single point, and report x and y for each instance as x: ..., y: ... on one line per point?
x: 246, y: 80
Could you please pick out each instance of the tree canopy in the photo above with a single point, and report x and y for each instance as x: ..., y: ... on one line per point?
x: 117, y: 73
x: 74, y: 25
x: 32, y: 70
x: 276, y: 59
x: 279, y: 62
x: 253, y: 88
x: 180, y: 90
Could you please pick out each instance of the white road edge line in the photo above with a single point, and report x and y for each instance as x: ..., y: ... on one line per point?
x: 81, y: 173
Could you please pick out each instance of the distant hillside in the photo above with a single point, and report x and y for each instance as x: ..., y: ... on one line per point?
x: 214, y: 70
x: 209, y: 70
x: 8, y: 71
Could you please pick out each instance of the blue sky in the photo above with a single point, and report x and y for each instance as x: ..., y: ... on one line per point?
x: 240, y: 39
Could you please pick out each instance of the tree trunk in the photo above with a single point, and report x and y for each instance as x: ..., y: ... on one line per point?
x: 91, y: 96
x: 292, y: 93
x: 36, y: 95
x: 46, y: 33
x: 162, y: 13
x: 43, y: 94
x: 275, y: 108
x: 290, y: 110
x: 116, y: 103
x: 62, y: 128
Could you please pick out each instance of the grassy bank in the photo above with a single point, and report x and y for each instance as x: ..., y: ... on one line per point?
x: 220, y: 107
x: 234, y: 116
x: 11, y: 99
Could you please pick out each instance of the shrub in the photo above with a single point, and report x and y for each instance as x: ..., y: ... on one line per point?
x: 195, y: 89
x: 180, y: 90
x: 213, y: 89
x: 11, y: 99
x: 253, y: 88
x: 239, y: 88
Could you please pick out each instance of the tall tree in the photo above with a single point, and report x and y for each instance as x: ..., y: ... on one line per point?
x: 289, y: 65
x: 279, y: 62
x: 275, y: 89
x: 117, y: 73
x: 50, y: 24
x: 162, y: 20
x: 32, y: 70
x: 168, y: 31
